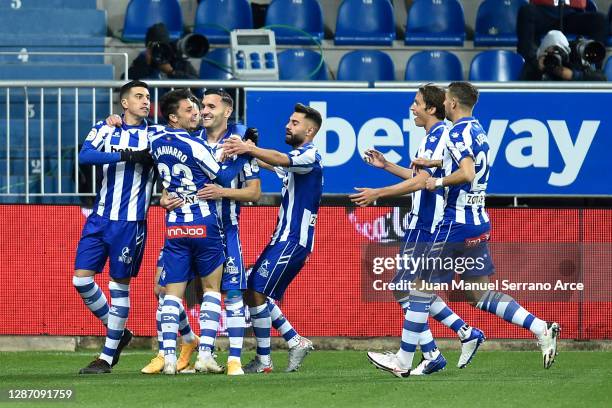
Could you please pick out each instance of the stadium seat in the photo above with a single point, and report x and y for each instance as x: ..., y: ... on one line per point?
x: 142, y: 14
x: 365, y: 22
x: 56, y: 71
x: 301, y: 65
x: 53, y: 23
x: 216, y: 18
x: 49, y: 4
x: 434, y: 66
x: 496, y: 65
x: 305, y: 15
x: 496, y: 22
x: 435, y: 23
x: 608, y: 69
x: 370, y: 65
x: 23, y: 54
x: 217, y: 64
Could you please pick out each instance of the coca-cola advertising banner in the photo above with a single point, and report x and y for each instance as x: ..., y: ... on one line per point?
x: 555, y: 148
x: 555, y: 262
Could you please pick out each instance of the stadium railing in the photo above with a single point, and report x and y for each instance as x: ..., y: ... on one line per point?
x: 51, y: 155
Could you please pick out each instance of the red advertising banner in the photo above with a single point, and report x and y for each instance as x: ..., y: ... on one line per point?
x: 334, y: 294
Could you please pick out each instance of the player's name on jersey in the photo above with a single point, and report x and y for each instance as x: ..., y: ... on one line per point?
x: 496, y: 285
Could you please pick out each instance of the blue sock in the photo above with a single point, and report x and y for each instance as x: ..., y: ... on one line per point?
x: 415, y: 326
x: 210, y: 313
x: 280, y: 323
x: 117, y: 317
x: 507, y: 308
x: 234, y: 307
x: 260, y: 316
x: 92, y: 296
x: 169, y: 324
x: 440, y: 311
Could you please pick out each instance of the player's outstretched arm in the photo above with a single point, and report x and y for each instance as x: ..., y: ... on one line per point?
x: 234, y: 145
x: 464, y: 174
x: 367, y: 196
x: 251, y: 192
x: 377, y: 159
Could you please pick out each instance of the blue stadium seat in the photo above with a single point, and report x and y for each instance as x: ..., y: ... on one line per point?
x: 305, y: 15
x: 56, y: 71
x: 496, y: 22
x: 54, y: 23
x: 216, y: 18
x: 434, y: 66
x: 23, y: 54
x: 370, y: 65
x: 301, y: 65
x: 217, y: 64
x: 142, y: 14
x: 496, y: 65
x: 365, y: 22
x: 608, y: 69
x: 49, y: 4
x: 435, y: 23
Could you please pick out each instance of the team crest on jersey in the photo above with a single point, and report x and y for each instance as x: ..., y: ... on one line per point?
x: 230, y: 266
x: 125, y: 256
x: 263, y: 269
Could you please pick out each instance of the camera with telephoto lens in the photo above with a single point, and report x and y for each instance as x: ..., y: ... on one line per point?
x: 189, y: 46
x: 587, y: 52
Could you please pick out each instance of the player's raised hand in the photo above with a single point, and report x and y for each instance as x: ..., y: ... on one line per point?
x: 210, y: 192
x: 234, y: 145
x: 365, y: 196
x: 114, y: 120
x: 375, y: 158
x: 170, y: 201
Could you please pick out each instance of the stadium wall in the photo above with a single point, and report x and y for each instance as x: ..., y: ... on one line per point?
x: 333, y: 294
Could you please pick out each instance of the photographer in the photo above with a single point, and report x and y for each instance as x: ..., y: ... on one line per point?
x: 557, y: 60
x: 161, y: 59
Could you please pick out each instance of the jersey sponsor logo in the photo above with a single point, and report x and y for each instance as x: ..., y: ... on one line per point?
x: 472, y: 242
x: 125, y: 256
x: 115, y: 149
x: 475, y: 199
x: 230, y: 266
x: 263, y: 269
x: 186, y: 231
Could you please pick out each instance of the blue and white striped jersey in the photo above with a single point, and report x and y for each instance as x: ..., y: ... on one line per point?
x: 230, y: 209
x: 465, y: 203
x: 125, y: 188
x: 185, y: 165
x: 301, y: 196
x: 428, y: 207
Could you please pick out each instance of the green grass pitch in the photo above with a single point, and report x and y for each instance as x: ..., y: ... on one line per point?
x: 327, y: 379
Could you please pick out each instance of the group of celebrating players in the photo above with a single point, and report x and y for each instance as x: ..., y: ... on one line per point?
x: 208, y: 167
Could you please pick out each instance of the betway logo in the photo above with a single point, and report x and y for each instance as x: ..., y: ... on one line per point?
x: 116, y: 149
x: 187, y: 231
x: 529, y: 149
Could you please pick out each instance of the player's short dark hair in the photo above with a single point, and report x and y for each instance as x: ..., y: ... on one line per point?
x: 465, y: 92
x: 433, y: 96
x: 197, y: 101
x: 125, y: 89
x: 170, y: 102
x: 225, y: 96
x: 309, y: 113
